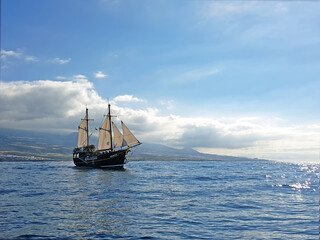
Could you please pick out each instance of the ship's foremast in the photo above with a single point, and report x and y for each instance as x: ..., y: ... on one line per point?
x: 87, y: 126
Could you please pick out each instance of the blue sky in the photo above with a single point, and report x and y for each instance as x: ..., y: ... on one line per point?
x: 195, y: 65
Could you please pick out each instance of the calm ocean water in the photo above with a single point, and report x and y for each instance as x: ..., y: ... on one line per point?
x: 160, y: 200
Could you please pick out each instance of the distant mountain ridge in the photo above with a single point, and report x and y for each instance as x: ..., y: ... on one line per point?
x: 16, y: 145
x: 149, y: 151
x: 27, y: 145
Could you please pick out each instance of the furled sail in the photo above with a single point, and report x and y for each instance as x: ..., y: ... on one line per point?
x: 105, y: 135
x: 118, y: 138
x: 128, y: 138
x: 82, y: 133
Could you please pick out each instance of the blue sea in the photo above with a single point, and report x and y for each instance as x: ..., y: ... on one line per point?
x: 160, y: 200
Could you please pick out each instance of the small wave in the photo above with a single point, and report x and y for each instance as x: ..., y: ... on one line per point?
x: 31, y: 236
x: 4, y: 191
x: 203, y: 179
x: 294, y: 186
x: 33, y: 194
x: 300, y: 186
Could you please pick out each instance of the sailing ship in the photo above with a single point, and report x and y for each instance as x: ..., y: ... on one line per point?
x: 112, y: 147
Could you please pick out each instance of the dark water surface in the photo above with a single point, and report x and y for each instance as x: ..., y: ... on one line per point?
x: 160, y: 200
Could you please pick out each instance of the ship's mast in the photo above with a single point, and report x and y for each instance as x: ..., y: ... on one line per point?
x: 87, y: 119
x: 109, y: 116
x: 87, y: 125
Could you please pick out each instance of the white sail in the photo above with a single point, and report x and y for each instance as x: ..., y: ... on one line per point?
x: 82, y: 134
x: 128, y: 138
x: 104, y: 135
x: 118, y: 138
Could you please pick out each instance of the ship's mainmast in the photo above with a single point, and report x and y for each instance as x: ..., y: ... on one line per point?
x: 87, y: 119
x: 109, y: 116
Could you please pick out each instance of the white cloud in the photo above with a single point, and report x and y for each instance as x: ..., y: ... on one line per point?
x: 59, y: 106
x: 127, y: 98
x: 74, y: 78
x: 18, y: 54
x: 10, y: 53
x: 60, y: 61
x: 79, y: 77
x: 61, y: 78
x: 100, y: 74
x: 31, y: 59
x: 8, y: 56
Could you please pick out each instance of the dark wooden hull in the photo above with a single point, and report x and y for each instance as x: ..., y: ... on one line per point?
x: 114, y: 159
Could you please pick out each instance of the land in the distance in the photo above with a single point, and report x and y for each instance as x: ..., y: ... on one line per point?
x: 34, y: 146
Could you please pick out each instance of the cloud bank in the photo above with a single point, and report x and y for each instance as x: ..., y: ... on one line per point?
x: 48, y: 105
